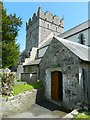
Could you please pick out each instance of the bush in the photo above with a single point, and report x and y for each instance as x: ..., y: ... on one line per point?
x: 7, y: 83
x: 83, y: 114
x: 19, y: 81
x: 1, y: 74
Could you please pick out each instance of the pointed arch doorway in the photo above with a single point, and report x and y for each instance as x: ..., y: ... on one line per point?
x: 56, y: 86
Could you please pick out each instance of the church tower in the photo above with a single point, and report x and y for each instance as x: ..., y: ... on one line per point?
x: 39, y: 26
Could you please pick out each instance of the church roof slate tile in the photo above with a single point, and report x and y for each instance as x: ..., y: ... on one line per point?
x: 34, y: 62
x: 82, y: 51
x: 76, y: 29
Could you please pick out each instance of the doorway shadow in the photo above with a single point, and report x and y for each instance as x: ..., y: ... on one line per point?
x: 52, y: 106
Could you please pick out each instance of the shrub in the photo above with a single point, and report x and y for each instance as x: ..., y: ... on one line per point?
x: 19, y: 81
x: 7, y: 83
x: 1, y: 74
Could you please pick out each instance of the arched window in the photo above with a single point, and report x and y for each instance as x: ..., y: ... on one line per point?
x: 81, y: 39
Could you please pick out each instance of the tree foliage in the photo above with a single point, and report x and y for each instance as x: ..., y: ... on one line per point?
x: 0, y: 35
x: 10, y: 55
x: 10, y: 50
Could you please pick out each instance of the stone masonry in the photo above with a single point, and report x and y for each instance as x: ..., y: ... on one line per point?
x: 40, y: 26
x: 18, y: 103
x: 65, y: 61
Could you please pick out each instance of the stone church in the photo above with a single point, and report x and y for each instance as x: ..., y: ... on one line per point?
x: 60, y: 60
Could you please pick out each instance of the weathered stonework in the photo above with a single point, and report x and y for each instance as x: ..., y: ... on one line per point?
x: 18, y: 103
x: 85, y: 83
x: 40, y: 26
x: 56, y: 56
x: 59, y: 58
x: 76, y: 74
x: 30, y: 74
x: 19, y: 71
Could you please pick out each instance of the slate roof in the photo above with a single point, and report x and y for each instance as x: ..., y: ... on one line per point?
x: 34, y: 62
x: 46, y: 43
x: 72, y: 31
x: 82, y: 51
x: 76, y: 29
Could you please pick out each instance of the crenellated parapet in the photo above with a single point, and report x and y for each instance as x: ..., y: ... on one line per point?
x: 32, y: 20
x: 46, y: 16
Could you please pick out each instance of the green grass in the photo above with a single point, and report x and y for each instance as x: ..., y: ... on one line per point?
x: 21, y: 88
x: 18, y: 88
x: 25, y: 87
x: 83, y: 114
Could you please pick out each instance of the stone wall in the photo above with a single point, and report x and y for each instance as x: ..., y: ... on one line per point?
x: 47, y: 16
x: 31, y: 69
x: 30, y: 74
x: 29, y: 77
x: 19, y: 71
x: 46, y: 28
x: 32, y: 36
x: 85, y: 83
x: 58, y: 56
x: 18, y: 103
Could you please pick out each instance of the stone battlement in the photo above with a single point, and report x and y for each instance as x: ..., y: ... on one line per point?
x: 46, y: 16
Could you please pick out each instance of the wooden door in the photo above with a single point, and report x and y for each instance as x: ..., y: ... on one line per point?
x: 56, y: 85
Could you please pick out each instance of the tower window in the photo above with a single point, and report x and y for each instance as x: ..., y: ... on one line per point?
x: 56, y: 28
x: 81, y: 39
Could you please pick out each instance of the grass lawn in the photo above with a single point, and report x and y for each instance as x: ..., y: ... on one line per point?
x: 24, y: 87
x: 18, y: 88
x: 83, y: 114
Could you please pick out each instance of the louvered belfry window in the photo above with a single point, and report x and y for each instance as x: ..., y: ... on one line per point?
x: 81, y: 39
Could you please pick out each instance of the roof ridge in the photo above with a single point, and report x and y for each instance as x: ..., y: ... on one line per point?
x: 79, y: 50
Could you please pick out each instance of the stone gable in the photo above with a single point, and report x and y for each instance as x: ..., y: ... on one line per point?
x: 59, y: 58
